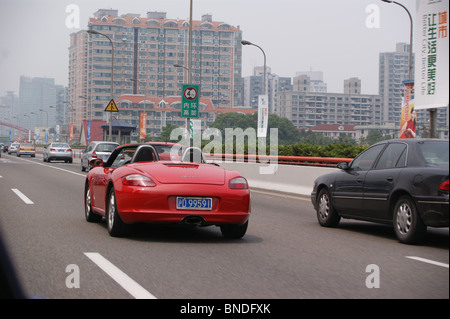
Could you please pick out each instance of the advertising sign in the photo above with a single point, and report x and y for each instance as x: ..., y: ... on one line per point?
x: 431, y: 50
x: 408, y: 120
x: 143, y: 126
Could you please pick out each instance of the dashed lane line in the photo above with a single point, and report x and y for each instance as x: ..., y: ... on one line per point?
x: 25, y: 199
x: 428, y: 261
x: 131, y: 286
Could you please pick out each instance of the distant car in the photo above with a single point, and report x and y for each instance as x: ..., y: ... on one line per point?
x: 26, y: 149
x: 98, y: 149
x: 13, y: 148
x: 402, y: 182
x: 58, y: 151
x: 134, y: 186
x: 5, y: 147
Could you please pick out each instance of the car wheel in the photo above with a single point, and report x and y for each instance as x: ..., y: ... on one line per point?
x: 326, y: 214
x: 88, y: 213
x: 116, y: 227
x: 234, y: 231
x: 408, y: 226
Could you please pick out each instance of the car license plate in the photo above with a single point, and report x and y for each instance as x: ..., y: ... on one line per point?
x: 194, y: 203
x: 60, y: 150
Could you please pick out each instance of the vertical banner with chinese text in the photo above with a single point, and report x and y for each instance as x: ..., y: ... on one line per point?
x: 263, y: 113
x: 432, y: 55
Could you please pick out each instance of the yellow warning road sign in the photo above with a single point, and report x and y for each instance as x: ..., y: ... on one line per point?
x: 112, y: 107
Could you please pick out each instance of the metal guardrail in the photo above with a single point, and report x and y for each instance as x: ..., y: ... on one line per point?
x: 280, y: 159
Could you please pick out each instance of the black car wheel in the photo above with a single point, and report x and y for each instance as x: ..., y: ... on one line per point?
x: 408, y: 226
x: 326, y: 214
x: 116, y: 227
x: 88, y: 213
x: 234, y: 231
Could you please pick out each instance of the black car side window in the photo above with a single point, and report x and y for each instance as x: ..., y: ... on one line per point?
x: 392, y: 156
x: 366, y: 159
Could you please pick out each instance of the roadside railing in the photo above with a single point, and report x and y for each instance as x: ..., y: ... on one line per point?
x: 280, y: 159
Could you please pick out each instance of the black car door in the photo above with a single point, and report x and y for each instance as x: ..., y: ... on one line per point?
x: 348, y: 188
x: 381, y: 180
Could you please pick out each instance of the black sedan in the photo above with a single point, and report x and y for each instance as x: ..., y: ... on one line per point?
x: 402, y: 182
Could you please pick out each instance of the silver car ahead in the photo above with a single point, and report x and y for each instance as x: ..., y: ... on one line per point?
x: 99, y: 149
x: 58, y: 152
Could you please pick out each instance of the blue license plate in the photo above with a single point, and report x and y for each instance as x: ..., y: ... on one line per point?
x: 194, y: 203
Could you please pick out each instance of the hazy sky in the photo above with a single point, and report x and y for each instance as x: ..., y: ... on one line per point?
x: 341, y: 38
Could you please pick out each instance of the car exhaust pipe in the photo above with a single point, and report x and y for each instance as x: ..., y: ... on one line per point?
x: 193, y: 220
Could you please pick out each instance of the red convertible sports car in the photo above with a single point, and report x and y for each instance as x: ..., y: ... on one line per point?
x: 134, y: 185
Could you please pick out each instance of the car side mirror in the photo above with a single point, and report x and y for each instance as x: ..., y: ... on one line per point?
x: 343, y: 165
x: 96, y: 162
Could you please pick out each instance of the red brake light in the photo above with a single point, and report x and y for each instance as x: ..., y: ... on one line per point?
x: 137, y: 180
x: 444, y: 186
x: 69, y: 150
x: 94, y: 155
x: 238, y: 183
x: 52, y: 149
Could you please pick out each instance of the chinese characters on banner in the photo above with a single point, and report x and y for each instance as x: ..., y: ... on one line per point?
x: 408, y: 120
x: 143, y: 126
x: 263, y: 114
x: 432, y: 56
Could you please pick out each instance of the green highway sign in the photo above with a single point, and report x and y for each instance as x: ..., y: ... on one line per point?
x: 189, y: 101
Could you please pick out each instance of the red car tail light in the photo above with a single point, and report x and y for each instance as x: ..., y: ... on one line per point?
x: 137, y: 180
x: 69, y: 150
x: 444, y: 186
x: 238, y: 183
x: 52, y: 150
x: 94, y: 155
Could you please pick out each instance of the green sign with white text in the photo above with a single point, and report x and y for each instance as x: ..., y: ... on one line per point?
x: 189, y: 101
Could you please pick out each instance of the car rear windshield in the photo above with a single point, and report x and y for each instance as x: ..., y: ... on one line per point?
x: 61, y: 145
x: 105, y: 147
x: 435, y: 152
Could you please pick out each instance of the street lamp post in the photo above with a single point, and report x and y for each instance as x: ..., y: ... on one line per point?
x: 244, y: 42
x: 112, y: 76
x: 410, y: 35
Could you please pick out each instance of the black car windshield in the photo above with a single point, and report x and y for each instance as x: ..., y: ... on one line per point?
x: 435, y: 152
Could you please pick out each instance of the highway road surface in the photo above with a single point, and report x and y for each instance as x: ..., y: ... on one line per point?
x: 284, y: 255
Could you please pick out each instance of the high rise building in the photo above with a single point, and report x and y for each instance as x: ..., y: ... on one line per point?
x: 151, y: 59
x: 254, y: 85
x: 393, y: 71
x: 38, y: 102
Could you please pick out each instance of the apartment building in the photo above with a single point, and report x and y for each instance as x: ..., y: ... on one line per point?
x: 151, y: 59
x: 306, y: 109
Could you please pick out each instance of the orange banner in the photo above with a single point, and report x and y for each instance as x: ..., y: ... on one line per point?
x: 71, y: 131
x: 143, y: 126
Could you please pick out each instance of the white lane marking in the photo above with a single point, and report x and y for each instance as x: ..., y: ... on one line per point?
x: 429, y: 261
x: 22, y: 196
x: 133, y: 288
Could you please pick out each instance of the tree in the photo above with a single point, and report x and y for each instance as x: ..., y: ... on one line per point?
x: 165, y: 133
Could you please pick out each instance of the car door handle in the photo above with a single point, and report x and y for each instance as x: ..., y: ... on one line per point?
x: 359, y: 180
x: 390, y: 179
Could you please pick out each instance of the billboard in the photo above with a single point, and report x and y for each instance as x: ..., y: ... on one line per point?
x: 431, y: 50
